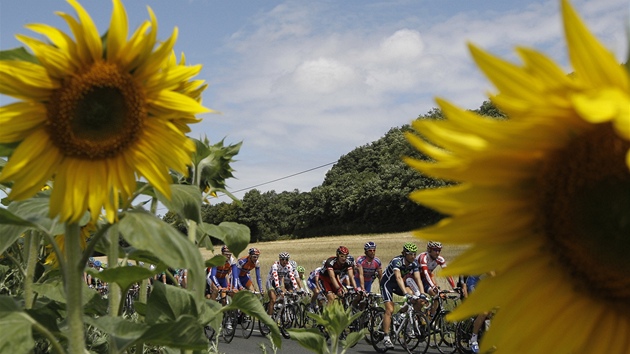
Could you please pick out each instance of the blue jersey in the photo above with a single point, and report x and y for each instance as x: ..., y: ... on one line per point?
x: 399, y: 263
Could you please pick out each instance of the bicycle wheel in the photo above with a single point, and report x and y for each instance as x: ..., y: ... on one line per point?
x: 415, y: 330
x: 209, y: 332
x: 247, y: 324
x: 263, y: 328
x: 228, y: 326
x: 462, y: 335
x: 300, y: 315
x: 285, y: 320
x: 375, y: 330
x: 444, y: 334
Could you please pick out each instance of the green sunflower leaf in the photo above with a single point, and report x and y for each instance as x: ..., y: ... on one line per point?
x: 185, y: 201
x: 216, y: 261
x: 236, y: 236
x: 18, y: 54
x: 310, y: 339
x: 16, y: 334
x: 123, y: 276
x: 184, y: 333
x: 21, y: 216
x: 249, y: 304
x: 145, y: 231
x: 125, y: 333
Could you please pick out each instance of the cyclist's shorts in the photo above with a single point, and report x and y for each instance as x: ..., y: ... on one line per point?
x: 246, y: 282
x: 389, y: 288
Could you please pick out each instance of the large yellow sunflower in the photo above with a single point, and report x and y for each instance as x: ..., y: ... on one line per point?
x: 97, y: 115
x: 542, y: 198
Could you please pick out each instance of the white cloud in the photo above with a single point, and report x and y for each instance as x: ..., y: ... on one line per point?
x: 306, y: 90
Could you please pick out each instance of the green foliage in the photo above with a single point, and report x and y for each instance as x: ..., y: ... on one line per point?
x: 335, y: 319
x: 34, y: 315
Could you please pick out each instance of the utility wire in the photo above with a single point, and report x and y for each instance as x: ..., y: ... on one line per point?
x: 285, y: 177
x: 277, y: 179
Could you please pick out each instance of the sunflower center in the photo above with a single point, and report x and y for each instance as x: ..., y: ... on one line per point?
x: 97, y: 113
x: 585, y: 212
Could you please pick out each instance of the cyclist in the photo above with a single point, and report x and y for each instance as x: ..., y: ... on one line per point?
x: 469, y: 286
x: 287, y: 281
x: 333, y: 270
x: 313, y: 284
x: 303, y: 284
x: 399, y: 268
x: 277, y: 273
x: 245, y: 266
x: 428, y: 261
x: 223, y: 277
x: 345, y: 278
x: 368, y: 266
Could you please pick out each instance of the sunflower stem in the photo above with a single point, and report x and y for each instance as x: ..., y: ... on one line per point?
x: 73, y: 274
x: 114, y: 294
x: 32, y: 242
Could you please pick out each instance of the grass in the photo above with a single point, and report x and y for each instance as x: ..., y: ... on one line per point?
x: 310, y: 252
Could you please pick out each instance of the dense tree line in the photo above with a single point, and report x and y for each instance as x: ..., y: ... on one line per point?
x: 366, y: 191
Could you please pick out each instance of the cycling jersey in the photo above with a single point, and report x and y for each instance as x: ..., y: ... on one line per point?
x: 427, y: 266
x: 245, y: 265
x: 339, y: 269
x: 389, y: 285
x: 370, y: 268
x: 220, y: 274
x: 313, y: 278
x: 277, y: 274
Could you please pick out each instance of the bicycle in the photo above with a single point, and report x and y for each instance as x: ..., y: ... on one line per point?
x: 463, y: 333
x: 284, y: 314
x: 409, y: 328
x: 441, y: 332
x: 371, y: 305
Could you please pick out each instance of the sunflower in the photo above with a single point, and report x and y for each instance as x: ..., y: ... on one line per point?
x: 542, y: 198
x: 95, y: 115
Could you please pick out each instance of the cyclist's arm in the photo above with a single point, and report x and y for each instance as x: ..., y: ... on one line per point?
x: 235, y: 272
x: 351, y: 278
x: 213, y: 276
x: 399, y: 280
x: 258, y: 280
x: 333, y: 279
x: 361, y: 278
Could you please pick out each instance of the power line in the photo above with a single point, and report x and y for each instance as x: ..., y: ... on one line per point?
x: 285, y: 177
x: 276, y: 180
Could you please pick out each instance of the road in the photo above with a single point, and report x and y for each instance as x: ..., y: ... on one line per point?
x: 254, y: 344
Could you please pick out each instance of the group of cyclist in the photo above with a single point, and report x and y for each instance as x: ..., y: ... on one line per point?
x: 409, y: 274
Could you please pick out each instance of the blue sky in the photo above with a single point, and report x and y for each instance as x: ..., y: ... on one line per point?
x: 303, y: 82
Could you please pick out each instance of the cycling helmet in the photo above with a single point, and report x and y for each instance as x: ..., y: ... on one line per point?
x: 301, y: 269
x: 434, y: 245
x: 97, y: 263
x: 350, y: 259
x: 410, y: 247
x: 254, y: 251
x: 343, y: 250
x: 369, y: 246
x: 225, y: 249
x: 283, y: 255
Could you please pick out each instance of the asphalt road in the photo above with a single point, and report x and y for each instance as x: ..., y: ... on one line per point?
x: 254, y: 344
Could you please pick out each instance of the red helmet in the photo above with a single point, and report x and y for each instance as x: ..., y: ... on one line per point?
x: 343, y: 250
x: 254, y: 251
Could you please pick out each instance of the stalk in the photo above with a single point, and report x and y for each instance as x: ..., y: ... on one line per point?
x: 32, y: 243
x: 73, y: 274
x: 114, y: 295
